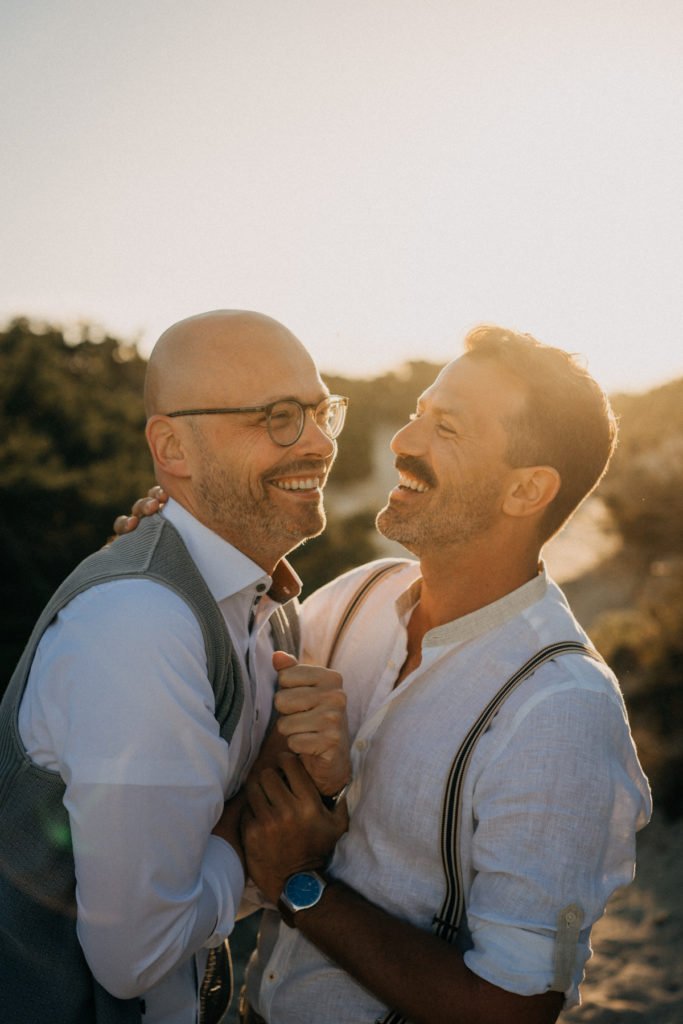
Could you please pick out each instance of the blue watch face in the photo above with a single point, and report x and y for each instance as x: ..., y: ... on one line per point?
x: 303, y: 890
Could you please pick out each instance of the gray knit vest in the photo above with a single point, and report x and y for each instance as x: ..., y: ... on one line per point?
x: 43, y: 974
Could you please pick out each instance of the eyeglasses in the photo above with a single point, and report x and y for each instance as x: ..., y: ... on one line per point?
x: 286, y: 418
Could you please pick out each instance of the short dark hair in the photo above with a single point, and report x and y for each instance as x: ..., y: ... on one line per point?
x: 567, y: 421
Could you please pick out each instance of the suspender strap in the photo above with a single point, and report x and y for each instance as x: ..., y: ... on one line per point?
x: 357, y: 599
x: 446, y: 923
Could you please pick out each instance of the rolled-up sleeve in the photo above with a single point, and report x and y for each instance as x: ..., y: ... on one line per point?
x: 556, y: 810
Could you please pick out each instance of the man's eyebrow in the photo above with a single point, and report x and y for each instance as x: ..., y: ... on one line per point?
x: 456, y: 411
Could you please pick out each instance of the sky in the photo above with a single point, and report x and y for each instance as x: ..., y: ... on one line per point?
x: 379, y: 175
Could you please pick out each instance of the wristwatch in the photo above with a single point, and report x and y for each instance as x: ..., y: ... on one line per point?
x: 301, y: 892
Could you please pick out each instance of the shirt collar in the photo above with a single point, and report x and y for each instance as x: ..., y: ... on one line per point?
x: 471, y: 626
x: 225, y: 569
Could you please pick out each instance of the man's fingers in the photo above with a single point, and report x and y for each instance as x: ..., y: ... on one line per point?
x: 312, y: 676
x: 306, y: 698
x: 326, y: 747
x: 146, y: 507
x: 300, y: 782
x: 256, y: 798
x: 282, y: 660
x: 328, y: 722
x: 124, y: 524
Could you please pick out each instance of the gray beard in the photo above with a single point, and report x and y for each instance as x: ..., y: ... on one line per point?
x: 255, y: 521
x: 471, y: 513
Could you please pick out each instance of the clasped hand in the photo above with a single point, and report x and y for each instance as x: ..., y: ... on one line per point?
x: 286, y: 827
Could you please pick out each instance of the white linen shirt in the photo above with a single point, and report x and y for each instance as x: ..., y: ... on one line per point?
x: 119, y: 703
x: 552, y: 798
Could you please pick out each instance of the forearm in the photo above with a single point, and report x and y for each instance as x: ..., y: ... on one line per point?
x: 411, y: 970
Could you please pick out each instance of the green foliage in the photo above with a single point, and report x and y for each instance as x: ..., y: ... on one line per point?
x: 72, y: 456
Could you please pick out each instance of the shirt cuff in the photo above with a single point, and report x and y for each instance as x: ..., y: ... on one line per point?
x: 223, y: 874
x: 519, y: 960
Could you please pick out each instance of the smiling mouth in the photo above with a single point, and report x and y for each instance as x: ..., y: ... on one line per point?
x: 311, y: 483
x: 411, y: 483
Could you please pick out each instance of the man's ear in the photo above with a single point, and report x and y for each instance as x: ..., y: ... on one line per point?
x: 531, y: 491
x: 167, y: 446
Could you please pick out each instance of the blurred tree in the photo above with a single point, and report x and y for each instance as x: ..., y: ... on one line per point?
x: 72, y: 455
x: 644, y: 487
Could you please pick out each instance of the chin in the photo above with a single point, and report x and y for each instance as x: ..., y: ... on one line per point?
x: 312, y: 527
x: 397, y: 531
x: 388, y: 525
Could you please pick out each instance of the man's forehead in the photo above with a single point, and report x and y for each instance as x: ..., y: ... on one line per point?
x: 308, y: 396
x: 474, y: 388
x: 259, y: 380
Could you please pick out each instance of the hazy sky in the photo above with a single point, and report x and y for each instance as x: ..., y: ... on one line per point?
x: 380, y: 175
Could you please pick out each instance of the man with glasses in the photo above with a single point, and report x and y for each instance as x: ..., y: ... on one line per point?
x: 146, y: 691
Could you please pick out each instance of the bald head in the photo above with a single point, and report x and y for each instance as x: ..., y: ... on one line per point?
x: 226, y: 469
x: 219, y: 358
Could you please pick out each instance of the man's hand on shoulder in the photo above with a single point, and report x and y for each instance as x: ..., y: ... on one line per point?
x: 154, y: 501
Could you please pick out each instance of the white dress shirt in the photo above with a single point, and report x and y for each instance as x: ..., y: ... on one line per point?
x: 552, y: 798
x: 119, y: 703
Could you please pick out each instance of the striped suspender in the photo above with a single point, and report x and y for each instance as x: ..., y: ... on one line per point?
x: 356, y: 601
x: 446, y: 923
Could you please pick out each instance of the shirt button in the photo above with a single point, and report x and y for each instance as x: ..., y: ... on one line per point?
x: 260, y: 588
x: 361, y: 744
x: 272, y: 976
x: 391, y: 664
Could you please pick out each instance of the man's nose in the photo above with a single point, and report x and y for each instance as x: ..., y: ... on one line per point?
x: 314, y: 438
x: 409, y: 440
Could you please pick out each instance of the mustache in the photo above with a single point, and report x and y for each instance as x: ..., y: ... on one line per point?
x: 417, y: 468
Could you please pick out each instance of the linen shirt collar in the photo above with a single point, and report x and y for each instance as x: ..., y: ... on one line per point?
x: 469, y: 627
x: 225, y: 569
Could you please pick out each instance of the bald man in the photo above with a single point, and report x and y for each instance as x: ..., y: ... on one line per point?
x: 134, y: 715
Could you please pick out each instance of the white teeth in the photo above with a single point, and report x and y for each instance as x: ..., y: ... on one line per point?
x: 298, y: 485
x: 412, y: 484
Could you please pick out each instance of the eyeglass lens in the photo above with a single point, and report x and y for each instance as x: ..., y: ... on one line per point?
x: 286, y: 420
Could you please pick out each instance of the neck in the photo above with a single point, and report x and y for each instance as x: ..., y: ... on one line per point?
x: 462, y: 579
